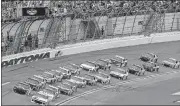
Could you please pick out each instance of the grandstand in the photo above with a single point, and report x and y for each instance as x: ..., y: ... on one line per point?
x: 65, y: 22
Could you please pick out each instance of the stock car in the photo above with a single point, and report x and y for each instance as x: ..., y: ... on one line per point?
x: 75, y: 69
x: 49, y: 78
x: 40, y: 79
x: 101, y: 64
x: 80, y: 82
x: 22, y: 88
x: 70, y: 83
x: 151, y: 66
x: 172, y: 63
x: 34, y: 84
x: 52, y: 94
x: 89, y: 66
x: 41, y: 99
x: 104, y: 64
x: 56, y: 74
x: 65, y: 72
x: 119, y: 73
x: 136, y: 69
x: 90, y: 79
x: 119, y: 61
x: 65, y: 88
x: 149, y: 57
x: 102, y: 78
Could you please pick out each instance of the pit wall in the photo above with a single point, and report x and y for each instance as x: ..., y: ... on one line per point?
x: 88, y: 47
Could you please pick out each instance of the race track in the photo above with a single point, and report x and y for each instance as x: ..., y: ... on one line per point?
x: 14, y: 74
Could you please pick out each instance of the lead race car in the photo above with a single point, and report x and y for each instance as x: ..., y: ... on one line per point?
x: 149, y: 57
x: 75, y: 69
x: 41, y: 99
x: 119, y: 73
x: 119, y: 61
x: 65, y: 72
x: 34, y: 84
x: 42, y: 82
x: 151, y: 66
x: 52, y: 94
x: 91, y: 67
x: 102, y: 78
x: 101, y: 64
x: 90, y: 79
x: 136, y: 69
x: 22, y: 88
x: 172, y: 63
x: 56, y: 75
x: 65, y: 88
x: 81, y: 82
x: 104, y: 64
x: 71, y: 84
x: 49, y: 77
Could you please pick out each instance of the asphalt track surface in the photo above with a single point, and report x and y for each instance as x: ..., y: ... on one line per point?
x: 144, y: 91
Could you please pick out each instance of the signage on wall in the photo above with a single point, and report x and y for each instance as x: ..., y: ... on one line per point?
x: 25, y: 59
x: 35, y: 11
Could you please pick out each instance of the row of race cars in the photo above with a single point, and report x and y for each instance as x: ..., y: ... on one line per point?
x: 67, y: 79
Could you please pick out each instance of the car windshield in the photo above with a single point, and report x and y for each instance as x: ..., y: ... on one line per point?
x: 46, y: 75
x: 100, y: 62
x: 33, y: 81
x: 77, y: 79
x: 89, y: 77
x: 62, y: 70
x: 42, y: 96
x: 23, y: 85
x: 49, y: 91
x: 172, y: 60
x: 102, y: 75
x: 39, y: 79
x: 90, y: 64
x: 65, y: 86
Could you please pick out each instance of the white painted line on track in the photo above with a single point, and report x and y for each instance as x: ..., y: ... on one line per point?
x: 5, y: 83
x: 110, y: 86
x: 177, y: 93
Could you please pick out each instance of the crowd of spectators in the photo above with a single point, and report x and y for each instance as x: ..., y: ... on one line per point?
x: 10, y: 10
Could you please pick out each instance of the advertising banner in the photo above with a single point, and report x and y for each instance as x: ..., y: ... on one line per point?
x: 35, y: 11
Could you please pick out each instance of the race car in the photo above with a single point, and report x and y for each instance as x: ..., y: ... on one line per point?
x: 65, y: 89
x: 89, y: 66
x: 119, y: 61
x: 172, y: 63
x: 41, y: 99
x: 70, y: 84
x: 56, y: 74
x: 65, y: 72
x: 75, y: 69
x: 119, y: 73
x: 104, y: 64
x: 41, y: 80
x: 151, y: 66
x: 50, y: 93
x: 22, y: 88
x: 90, y: 79
x: 34, y: 84
x: 80, y: 81
x: 149, y: 57
x: 136, y: 69
x: 102, y: 78
x: 50, y: 79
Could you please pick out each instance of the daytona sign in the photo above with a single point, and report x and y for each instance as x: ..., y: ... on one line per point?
x: 25, y: 59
